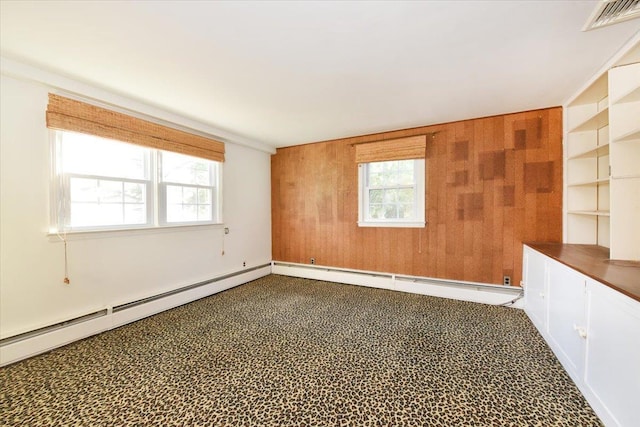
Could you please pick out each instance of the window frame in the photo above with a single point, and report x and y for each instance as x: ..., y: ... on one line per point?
x: 60, y: 207
x: 419, y: 171
x: 215, y: 177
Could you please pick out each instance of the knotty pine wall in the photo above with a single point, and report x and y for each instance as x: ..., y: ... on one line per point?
x: 492, y: 183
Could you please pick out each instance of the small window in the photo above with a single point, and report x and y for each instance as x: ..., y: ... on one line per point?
x: 103, y: 184
x: 391, y: 194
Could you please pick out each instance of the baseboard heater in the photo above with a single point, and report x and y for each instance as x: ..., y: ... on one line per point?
x: 131, y: 304
x: 461, y: 290
x: 31, y: 343
x: 51, y: 328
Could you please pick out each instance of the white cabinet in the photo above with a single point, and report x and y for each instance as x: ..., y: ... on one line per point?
x: 593, y: 330
x: 612, y: 373
x: 535, y: 277
x: 567, y: 323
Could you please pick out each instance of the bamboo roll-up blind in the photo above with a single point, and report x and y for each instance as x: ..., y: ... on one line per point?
x: 76, y: 116
x: 413, y: 147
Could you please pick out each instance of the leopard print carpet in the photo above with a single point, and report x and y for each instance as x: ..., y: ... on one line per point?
x: 282, y: 351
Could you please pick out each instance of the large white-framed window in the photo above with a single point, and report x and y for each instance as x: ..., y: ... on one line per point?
x: 391, y: 193
x: 104, y: 184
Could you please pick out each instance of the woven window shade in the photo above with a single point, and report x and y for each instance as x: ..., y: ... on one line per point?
x: 413, y: 147
x: 76, y: 116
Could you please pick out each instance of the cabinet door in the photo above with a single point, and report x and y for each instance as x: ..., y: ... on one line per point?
x: 612, y: 370
x: 566, y: 322
x: 535, y: 287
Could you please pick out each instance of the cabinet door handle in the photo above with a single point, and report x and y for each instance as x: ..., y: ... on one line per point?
x: 582, y: 332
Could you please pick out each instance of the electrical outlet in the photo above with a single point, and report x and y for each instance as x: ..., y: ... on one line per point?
x: 313, y: 260
x: 226, y: 230
x: 244, y: 263
x: 506, y: 280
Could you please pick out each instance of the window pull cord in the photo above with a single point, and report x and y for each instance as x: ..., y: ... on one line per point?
x: 66, y: 263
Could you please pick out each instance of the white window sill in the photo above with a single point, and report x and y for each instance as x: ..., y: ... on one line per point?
x: 392, y: 224
x: 124, y: 232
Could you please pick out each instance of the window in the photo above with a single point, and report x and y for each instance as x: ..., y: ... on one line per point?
x: 187, y: 188
x: 106, y: 184
x: 391, y: 193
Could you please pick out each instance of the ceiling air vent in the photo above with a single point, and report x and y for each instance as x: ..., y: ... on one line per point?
x: 609, y: 12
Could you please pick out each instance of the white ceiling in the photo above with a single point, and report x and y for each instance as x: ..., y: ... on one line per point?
x: 285, y: 73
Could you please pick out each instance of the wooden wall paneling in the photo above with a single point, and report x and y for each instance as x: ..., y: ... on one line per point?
x: 545, y: 153
x: 509, y: 197
x: 293, y: 211
x: 488, y: 184
x: 491, y: 167
x: 348, y: 211
x: 427, y: 237
x: 479, y: 207
x: 342, y: 152
x: 497, y: 137
x: 289, y: 218
x: 451, y: 201
x: 453, y: 204
x: 383, y: 253
x: 437, y: 247
x: 333, y: 231
x: 309, y: 200
x: 294, y: 214
x: 555, y: 154
x: 360, y: 241
x: 471, y: 220
x: 276, y: 211
x: 305, y: 224
x: 316, y: 241
x: 371, y: 250
x: 543, y: 176
x: 465, y: 182
x: 325, y: 202
x: 411, y: 237
x: 336, y: 253
x: 519, y: 193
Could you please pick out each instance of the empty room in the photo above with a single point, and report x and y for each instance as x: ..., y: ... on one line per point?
x: 320, y: 213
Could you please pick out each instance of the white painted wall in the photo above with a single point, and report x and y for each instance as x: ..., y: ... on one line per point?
x: 107, y: 269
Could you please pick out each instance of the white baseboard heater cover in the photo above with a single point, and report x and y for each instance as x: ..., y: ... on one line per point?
x: 459, y: 290
x: 22, y: 346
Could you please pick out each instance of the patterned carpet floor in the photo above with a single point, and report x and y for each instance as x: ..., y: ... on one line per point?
x: 283, y: 351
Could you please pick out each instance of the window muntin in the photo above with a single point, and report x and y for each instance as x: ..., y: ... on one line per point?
x: 391, y: 193
x: 105, y: 184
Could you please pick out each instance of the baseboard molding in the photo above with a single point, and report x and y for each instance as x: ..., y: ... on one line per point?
x: 464, y: 291
x: 13, y: 349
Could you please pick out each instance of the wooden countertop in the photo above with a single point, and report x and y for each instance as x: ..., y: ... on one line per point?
x: 593, y: 261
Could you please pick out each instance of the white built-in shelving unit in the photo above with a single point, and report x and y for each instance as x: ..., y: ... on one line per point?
x: 602, y: 160
x: 624, y: 130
